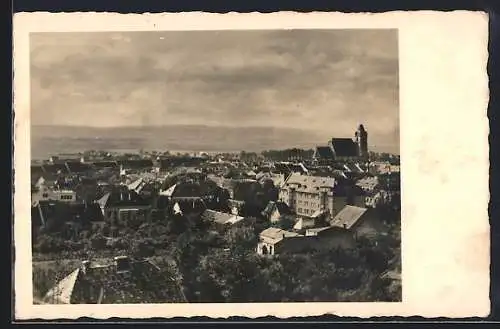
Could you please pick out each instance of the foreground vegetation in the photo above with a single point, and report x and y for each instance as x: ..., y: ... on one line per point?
x: 223, y: 266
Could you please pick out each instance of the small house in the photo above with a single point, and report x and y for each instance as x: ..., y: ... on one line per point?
x: 359, y: 221
x: 221, y: 220
x: 274, y: 240
x: 122, y: 205
x: 275, y: 210
x: 188, y: 206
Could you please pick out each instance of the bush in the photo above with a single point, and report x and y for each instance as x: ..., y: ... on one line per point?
x: 48, y: 244
x: 144, y: 248
x: 241, y: 237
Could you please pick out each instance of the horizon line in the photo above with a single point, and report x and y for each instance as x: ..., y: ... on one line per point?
x: 164, y: 125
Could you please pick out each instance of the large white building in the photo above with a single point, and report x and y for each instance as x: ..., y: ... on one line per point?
x: 313, y: 196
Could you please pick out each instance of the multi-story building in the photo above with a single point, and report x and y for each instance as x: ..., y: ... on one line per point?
x: 311, y: 196
x: 122, y: 205
x: 46, y: 194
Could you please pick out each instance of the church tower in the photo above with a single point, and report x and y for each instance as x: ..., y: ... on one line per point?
x: 362, y: 141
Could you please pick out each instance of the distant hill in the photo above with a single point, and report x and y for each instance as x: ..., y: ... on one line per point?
x: 48, y: 140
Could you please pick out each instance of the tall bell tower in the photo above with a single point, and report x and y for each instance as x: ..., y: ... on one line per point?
x: 361, y: 137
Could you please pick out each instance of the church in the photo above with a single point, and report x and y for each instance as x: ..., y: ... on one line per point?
x: 344, y: 149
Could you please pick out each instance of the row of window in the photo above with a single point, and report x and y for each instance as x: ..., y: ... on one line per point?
x: 306, y: 211
x: 313, y: 196
x: 62, y: 197
x: 307, y: 203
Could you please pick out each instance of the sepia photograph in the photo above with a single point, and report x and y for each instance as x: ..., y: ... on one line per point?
x: 255, y: 165
x: 215, y: 166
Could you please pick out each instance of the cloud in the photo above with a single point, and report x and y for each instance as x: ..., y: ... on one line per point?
x: 322, y: 80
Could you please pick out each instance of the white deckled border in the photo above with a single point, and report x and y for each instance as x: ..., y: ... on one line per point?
x: 444, y: 152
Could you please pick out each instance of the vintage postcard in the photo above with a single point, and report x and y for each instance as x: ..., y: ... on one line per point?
x: 285, y: 164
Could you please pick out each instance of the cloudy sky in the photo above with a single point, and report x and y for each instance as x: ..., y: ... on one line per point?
x: 325, y: 80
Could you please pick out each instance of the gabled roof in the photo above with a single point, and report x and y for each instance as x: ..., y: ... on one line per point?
x: 270, y: 208
x: 104, y: 200
x: 37, y: 180
x: 310, y: 184
x: 143, y: 283
x: 168, y: 192
x: 61, y: 293
x: 279, y: 206
x: 344, y: 147
x: 274, y: 235
x: 348, y: 217
x: 137, y: 185
x: 220, y: 217
x: 122, y: 199
x: 263, y: 176
x: 289, y: 167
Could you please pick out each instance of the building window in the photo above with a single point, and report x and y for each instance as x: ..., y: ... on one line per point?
x: 45, y: 195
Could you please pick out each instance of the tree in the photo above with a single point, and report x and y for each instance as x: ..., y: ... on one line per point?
x: 47, y: 244
x: 143, y: 248
x: 286, y: 222
x: 258, y: 224
x: 177, y: 224
x: 241, y: 237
